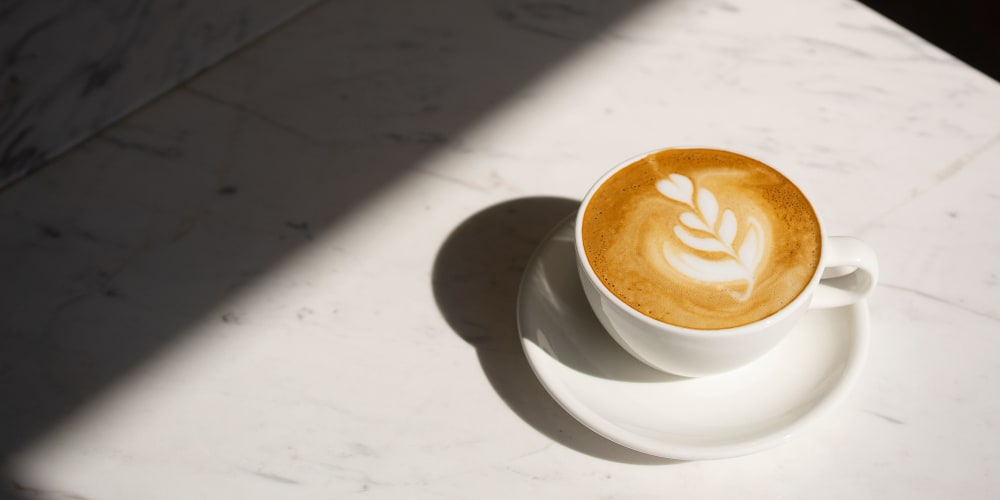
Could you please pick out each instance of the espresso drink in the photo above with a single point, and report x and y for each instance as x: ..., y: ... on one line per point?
x: 702, y: 238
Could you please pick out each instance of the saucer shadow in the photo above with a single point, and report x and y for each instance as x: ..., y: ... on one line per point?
x: 475, y: 280
x: 555, y: 316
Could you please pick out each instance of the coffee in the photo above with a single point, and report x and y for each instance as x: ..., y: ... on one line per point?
x: 701, y: 238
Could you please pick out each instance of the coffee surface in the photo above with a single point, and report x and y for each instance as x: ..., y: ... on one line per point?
x: 702, y: 238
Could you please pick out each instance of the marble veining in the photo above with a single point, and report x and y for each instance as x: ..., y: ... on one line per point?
x: 69, y: 69
x: 294, y: 275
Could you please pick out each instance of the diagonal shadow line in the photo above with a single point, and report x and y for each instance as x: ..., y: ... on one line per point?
x: 111, y: 251
x: 476, y: 279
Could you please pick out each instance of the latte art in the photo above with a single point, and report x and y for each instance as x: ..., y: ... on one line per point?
x: 701, y: 238
x: 737, y: 264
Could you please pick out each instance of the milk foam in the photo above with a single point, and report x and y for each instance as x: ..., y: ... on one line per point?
x: 711, y: 254
x: 701, y: 238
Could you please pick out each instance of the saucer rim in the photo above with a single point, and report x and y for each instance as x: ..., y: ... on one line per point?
x: 854, y: 360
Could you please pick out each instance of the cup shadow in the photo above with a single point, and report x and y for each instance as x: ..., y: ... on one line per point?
x: 555, y: 316
x: 475, y: 280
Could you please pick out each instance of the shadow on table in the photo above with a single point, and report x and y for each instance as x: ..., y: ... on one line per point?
x: 110, y: 254
x: 476, y: 277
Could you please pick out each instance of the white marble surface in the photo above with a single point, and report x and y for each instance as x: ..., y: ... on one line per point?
x: 312, y: 297
x: 70, y: 68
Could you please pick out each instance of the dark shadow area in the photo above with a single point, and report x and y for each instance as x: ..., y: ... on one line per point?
x: 966, y: 29
x: 109, y: 253
x: 69, y: 69
x: 553, y: 314
x: 476, y: 278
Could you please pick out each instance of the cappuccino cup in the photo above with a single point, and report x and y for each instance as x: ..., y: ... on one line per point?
x: 698, y: 261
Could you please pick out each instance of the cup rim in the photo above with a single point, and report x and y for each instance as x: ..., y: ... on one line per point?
x: 800, y: 300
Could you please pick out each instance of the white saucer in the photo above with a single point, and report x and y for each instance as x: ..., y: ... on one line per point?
x: 736, y: 413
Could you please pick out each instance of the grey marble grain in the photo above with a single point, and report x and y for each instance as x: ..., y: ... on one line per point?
x: 69, y: 69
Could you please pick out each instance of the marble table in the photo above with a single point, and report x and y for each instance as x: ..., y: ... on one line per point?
x: 294, y: 276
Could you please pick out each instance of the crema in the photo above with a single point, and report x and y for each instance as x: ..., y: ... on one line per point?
x: 702, y: 238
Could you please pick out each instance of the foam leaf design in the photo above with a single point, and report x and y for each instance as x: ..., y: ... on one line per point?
x: 677, y: 187
x: 705, y: 269
x: 750, y: 250
x: 712, y: 256
x: 708, y: 206
x: 727, y: 228
x: 704, y: 244
x: 694, y: 222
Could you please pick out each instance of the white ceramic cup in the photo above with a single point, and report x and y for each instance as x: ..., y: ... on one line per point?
x: 851, y: 271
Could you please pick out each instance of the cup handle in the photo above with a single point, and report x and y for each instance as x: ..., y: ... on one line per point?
x: 849, y: 275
